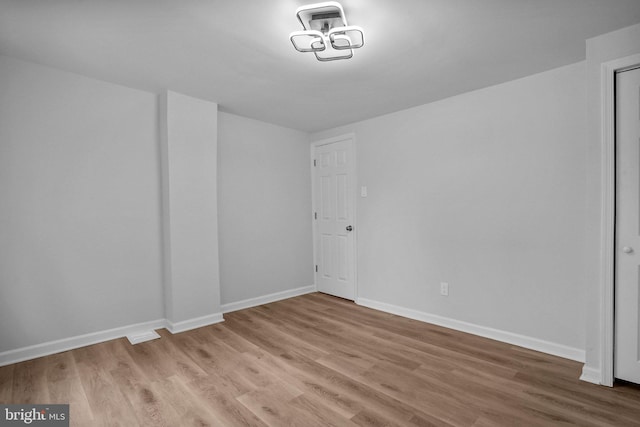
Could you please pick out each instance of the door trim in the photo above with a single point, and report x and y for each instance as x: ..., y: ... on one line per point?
x: 314, y: 144
x: 607, y: 214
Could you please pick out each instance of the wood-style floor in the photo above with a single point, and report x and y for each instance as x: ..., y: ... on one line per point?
x: 317, y: 360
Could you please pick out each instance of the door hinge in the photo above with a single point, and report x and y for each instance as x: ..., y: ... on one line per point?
x: 315, y: 215
x: 314, y: 163
x: 316, y: 268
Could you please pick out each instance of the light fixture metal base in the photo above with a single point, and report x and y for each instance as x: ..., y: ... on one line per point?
x: 326, y: 32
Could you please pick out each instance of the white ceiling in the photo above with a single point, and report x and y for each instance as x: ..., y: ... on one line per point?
x: 237, y: 52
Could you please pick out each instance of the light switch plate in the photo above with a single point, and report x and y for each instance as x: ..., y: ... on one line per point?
x: 363, y: 191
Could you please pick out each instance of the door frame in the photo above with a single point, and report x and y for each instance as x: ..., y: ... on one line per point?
x: 350, y: 136
x: 607, y: 223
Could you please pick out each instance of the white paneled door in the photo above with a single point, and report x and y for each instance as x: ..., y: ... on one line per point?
x: 334, y: 187
x: 627, y: 295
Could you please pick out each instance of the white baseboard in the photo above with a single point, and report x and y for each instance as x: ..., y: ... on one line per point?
x: 138, y: 329
x: 52, y: 347
x: 483, y: 331
x: 198, y: 322
x: 591, y: 375
x: 265, y: 299
x: 58, y: 346
x: 141, y: 329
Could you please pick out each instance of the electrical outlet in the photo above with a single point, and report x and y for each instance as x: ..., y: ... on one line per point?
x: 444, y: 289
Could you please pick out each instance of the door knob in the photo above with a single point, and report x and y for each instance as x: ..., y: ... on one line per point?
x: 627, y: 250
x: 349, y: 228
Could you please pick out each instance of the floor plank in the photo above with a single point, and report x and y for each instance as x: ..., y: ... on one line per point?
x: 317, y: 360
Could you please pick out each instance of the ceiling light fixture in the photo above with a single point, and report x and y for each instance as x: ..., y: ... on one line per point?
x: 326, y: 32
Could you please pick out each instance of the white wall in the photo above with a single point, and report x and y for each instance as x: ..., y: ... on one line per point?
x: 264, y: 208
x: 608, y: 47
x: 485, y: 191
x: 189, y: 139
x: 80, y: 210
x: 79, y: 205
